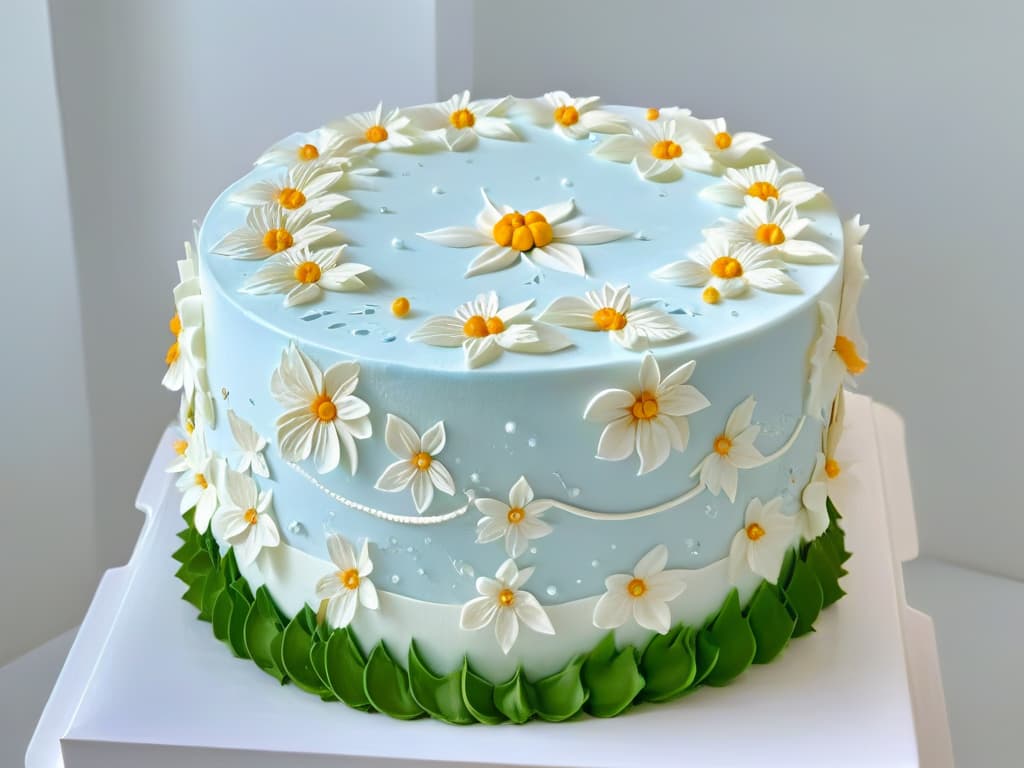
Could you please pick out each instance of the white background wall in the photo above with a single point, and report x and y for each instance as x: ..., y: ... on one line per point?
x: 906, y: 112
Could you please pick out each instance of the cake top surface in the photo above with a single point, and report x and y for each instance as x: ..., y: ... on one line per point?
x: 600, y: 231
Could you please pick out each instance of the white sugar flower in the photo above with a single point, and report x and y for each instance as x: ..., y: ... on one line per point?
x: 813, y: 515
x: 196, y: 483
x: 650, y: 419
x: 324, y: 418
x: 504, y: 603
x: 573, y: 118
x: 349, y: 586
x: 643, y: 595
x: 611, y: 311
x: 659, y: 150
x: 666, y: 113
x: 243, y: 519
x: 270, y: 229
x: 761, y: 544
x: 517, y: 522
x: 774, y: 225
x: 732, y: 450
x: 484, y: 330
x: 186, y: 426
x: 458, y: 122
x: 302, y: 275
x: 322, y: 148
x: 729, y: 149
x: 762, y: 181
x: 727, y: 271
x: 186, y: 357
x: 249, y: 455
x: 302, y: 187
x: 417, y: 467
x: 837, y: 478
x: 839, y: 353
x: 376, y: 129
x: 546, y: 237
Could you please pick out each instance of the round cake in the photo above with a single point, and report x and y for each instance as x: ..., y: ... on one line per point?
x: 516, y: 407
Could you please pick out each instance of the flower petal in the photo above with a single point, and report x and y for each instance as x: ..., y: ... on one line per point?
x: 521, y: 494
x: 561, y: 257
x: 652, y: 444
x: 341, y: 552
x: 480, y: 352
x: 618, y: 440
x: 491, y: 260
x: 478, y: 613
x: 652, y: 614
x: 422, y: 491
x: 441, y: 478
x: 506, y: 629
x: 613, y: 609
x: 396, y: 477
x: 571, y: 312
x: 457, y: 237
x: 433, y: 439
x: 532, y: 614
x: 341, y: 608
x: 592, y: 235
x: 651, y: 563
x: 609, y: 405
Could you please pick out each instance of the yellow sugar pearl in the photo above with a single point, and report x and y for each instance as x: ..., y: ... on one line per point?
x: 180, y: 446
x: 251, y: 516
x: 323, y: 408
x: 653, y: 113
x: 726, y: 267
x: 174, y: 324
x: 847, y: 351
x: 723, y: 140
x: 308, y: 152
x: 506, y: 597
x: 711, y: 295
x: 645, y: 407
x: 172, y: 354
x: 515, y: 515
x: 422, y: 461
x: 832, y: 468
x: 400, y: 307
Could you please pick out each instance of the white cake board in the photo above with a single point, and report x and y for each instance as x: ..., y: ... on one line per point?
x: 146, y: 684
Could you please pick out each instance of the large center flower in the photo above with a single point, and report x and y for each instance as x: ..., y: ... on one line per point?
x: 646, y: 406
x: 523, y: 233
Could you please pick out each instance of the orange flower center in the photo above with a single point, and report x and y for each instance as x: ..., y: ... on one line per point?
x: 637, y: 587
x: 723, y: 140
x: 516, y: 515
x: 308, y: 152
x: 277, y: 240
x: 711, y: 295
x: 723, y: 445
x: 462, y: 118
x: 754, y: 531
x: 307, y: 272
x: 251, y: 516
x: 847, y: 351
x: 763, y: 189
x: 523, y: 233
x: 349, y: 578
x: 376, y: 134
x: 646, y: 406
x: 477, y: 326
x: 174, y: 324
x: 180, y: 446
x: 400, y: 307
x: 608, y: 319
x: 201, y: 480
x: 506, y: 597
x: 770, y: 234
x: 726, y: 267
x: 172, y: 354
x: 422, y: 461
x: 666, y: 150
x: 291, y: 198
x: 832, y: 468
x: 653, y: 113
x: 324, y: 408
x: 189, y: 426
x: 568, y: 115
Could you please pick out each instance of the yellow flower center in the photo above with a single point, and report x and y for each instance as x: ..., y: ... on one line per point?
x: 666, y: 150
x: 180, y: 446
x: 477, y: 326
x: 637, y: 588
x: 172, y: 354
x: 307, y: 272
x: 201, y: 480
x: 770, y: 234
x: 516, y: 515
x: 422, y: 461
x: 653, y: 113
x: 506, y: 597
x: 567, y: 115
x: 723, y: 140
x: 763, y: 190
x: 174, y: 324
x: 323, y: 407
x: 723, y: 445
x: 400, y: 307
x: 462, y: 118
x: 726, y: 267
x: 847, y: 351
x: 832, y: 468
x: 523, y: 233
x: 349, y: 578
x: 251, y: 516
x: 376, y: 134
x: 277, y: 240
x: 308, y: 152
x: 646, y: 406
x: 754, y: 531
x: 608, y: 319
x: 291, y: 198
x: 711, y: 295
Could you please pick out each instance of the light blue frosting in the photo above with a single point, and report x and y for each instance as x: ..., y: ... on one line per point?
x: 523, y: 414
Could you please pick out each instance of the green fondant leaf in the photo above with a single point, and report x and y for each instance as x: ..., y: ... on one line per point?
x: 345, y: 667
x: 242, y: 587
x: 259, y: 633
x: 804, y: 595
x: 194, y: 593
x: 669, y: 664
x: 387, y: 686
x: 186, y: 551
x: 229, y: 567
x: 561, y: 695
x: 211, y: 591
x: 440, y: 696
x: 515, y: 698
x: 771, y: 622
x: 612, y: 677
x: 236, y: 627
x: 277, y: 654
x: 827, y: 571
x: 735, y: 641
x: 788, y: 563
x: 478, y: 695
x: 222, y: 615
x: 318, y: 660
x: 268, y: 608
x: 707, y: 657
x: 189, y: 516
x: 296, y: 644
x: 200, y: 564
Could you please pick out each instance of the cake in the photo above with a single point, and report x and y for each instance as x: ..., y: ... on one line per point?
x: 513, y: 408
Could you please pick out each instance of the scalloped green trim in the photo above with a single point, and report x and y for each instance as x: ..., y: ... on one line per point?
x: 603, y: 682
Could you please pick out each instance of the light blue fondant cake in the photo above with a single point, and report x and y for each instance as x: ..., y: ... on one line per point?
x: 475, y: 384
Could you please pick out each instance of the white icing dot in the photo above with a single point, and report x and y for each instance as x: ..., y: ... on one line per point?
x: 436, y: 191
x: 410, y: 549
x: 710, y: 511
x: 615, y: 546
x: 397, y: 243
x: 594, y: 563
x: 532, y: 442
x: 395, y: 579
x: 533, y: 550
x: 392, y: 541
x: 579, y: 581
x: 296, y: 527
x: 574, y: 492
x: 641, y: 236
x: 474, y: 478
x: 552, y: 590
x: 693, y: 545
x: 427, y: 540
x: 566, y: 183
x: 420, y: 572
x: 510, y: 427
x: 383, y: 209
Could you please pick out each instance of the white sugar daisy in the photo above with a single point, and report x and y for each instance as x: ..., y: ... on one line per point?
x: 269, y: 229
x: 196, y: 483
x: 774, y: 225
x: 417, y: 468
x: 244, y: 517
x: 650, y: 419
x: 731, y: 451
x: 573, y: 118
x: 659, y: 150
x: 763, y: 181
x: 760, y: 545
x: 186, y: 426
x: 302, y: 275
x: 322, y: 148
x: 643, y: 595
x: 301, y: 187
x: 728, y: 149
x: 459, y: 121
x: 377, y: 129
x: 348, y: 587
x: 248, y: 455
x: 505, y: 604
x: 518, y: 522
x: 813, y: 515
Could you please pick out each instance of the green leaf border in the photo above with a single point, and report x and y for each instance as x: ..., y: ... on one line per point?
x: 602, y: 683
